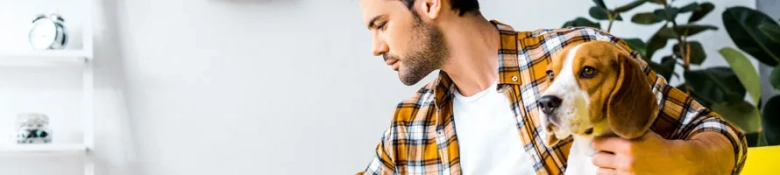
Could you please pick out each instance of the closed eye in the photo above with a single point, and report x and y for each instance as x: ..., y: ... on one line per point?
x: 377, y: 22
x: 381, y: 26
x: 588, y: 72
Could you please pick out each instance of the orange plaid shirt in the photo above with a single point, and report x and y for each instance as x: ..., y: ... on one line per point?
x: 422, y: 140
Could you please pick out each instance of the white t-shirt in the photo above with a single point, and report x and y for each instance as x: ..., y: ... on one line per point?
x: 487, y: 135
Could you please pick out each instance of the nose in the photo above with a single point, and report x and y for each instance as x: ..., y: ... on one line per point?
x: 378, y: 47
x: 549, y: 103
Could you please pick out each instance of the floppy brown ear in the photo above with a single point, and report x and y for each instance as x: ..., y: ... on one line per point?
x: 632, y: 106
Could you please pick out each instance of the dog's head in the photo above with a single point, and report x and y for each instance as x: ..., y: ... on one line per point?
x: 596, y: 88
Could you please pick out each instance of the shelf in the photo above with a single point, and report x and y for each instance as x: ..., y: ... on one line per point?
x: 40, y: 148
x: 44, y: 58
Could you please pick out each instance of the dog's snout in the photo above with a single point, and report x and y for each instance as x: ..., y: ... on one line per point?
x: 549, y: 103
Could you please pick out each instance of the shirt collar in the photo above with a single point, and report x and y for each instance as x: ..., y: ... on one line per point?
x: 508, y: 67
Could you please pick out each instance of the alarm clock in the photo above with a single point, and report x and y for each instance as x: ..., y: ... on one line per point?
x: 48, y: 32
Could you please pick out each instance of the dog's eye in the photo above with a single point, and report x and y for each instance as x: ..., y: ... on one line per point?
x: 588, y: 72
x: 550, y: 75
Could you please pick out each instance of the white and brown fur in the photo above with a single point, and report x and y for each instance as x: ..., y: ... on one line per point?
x: 615, y: 100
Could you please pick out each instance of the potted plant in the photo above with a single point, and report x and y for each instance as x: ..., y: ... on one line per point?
x: 758, y: 35
x: 720, y: 88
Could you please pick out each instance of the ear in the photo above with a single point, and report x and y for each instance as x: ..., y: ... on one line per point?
x: 432, y: 8
x: 632, y: 106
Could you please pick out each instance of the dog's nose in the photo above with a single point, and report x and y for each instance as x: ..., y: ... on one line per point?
x: 548, y: 103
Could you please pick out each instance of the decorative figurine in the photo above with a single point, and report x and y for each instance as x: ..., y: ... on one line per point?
x: 33, y: 128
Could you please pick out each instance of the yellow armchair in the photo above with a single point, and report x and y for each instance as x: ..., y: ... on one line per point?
x: 762, y: 160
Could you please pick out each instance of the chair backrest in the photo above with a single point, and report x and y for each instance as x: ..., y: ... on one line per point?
x: 762, y: 160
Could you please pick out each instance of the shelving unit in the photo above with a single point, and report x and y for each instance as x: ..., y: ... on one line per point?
x: 44, y: 58
x: 82, y: 58
x: 42, y: 148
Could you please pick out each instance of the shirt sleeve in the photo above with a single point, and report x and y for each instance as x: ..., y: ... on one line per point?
x: 382, y: 161
x: 714, y: 123
x: 693, y: 118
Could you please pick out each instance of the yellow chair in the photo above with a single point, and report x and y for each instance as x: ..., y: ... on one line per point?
x: 762, y: 161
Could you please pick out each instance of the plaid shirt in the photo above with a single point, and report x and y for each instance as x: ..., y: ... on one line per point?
x: 422, y: 138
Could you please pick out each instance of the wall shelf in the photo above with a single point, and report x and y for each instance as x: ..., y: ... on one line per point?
x: 82, y: 59
x: 43, y: 148
x: 44, y: 58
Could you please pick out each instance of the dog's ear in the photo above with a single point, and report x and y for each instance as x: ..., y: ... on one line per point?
x: 631, y: 107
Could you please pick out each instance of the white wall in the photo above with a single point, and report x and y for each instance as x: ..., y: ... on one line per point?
x: 203, y: 87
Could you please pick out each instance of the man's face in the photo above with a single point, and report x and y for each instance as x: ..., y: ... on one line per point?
x: 411, y: 45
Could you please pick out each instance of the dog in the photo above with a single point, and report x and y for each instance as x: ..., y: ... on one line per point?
x: 595, y: 88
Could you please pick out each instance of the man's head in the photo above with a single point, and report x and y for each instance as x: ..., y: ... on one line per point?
x: 407, y: 35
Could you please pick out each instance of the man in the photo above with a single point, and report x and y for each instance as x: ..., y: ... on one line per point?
x: 479, y: 116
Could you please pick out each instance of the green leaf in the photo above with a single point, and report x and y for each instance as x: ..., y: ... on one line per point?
x: 772, y: 31
x: 770, y: 120
x: 692, y: 29
x: 667, y: 33
x: 668, y: 14
x: 696, y: 97
x: 630, y: 6
x: 658, y: 40
x: 745, y: 71
x: 716, y: 84
x: 753, y: 139
x: 690, y: 7
x: 600, y: 3
x: 742, y: 26
x: 598, y: 13
x: 669, y: 62
x: 703, y: 101
x: 656, y: 43
x: 697, y: 52
x: 701, y: 11
x: 742, y: 114
x: 657, y: 1
x: 603, y: 14
x: 762, y: 140
x: 637, y: 45
x: 645, y: 18
x: 581, y: 22
x: 774, y: 78
x: 665, y: 68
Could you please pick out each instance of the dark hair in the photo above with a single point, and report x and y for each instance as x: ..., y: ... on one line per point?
x: 461, y: 6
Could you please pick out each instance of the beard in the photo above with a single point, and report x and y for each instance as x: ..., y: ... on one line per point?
x: 428, y: 52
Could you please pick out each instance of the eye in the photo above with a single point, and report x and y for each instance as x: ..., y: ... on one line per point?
x: 381, y: 26
x: 588, y: 72
x: 550, y: 75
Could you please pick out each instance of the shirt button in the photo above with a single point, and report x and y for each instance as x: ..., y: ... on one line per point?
x: 514, y: 78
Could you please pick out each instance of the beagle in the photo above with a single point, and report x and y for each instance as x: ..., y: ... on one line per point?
x: 596, y: 88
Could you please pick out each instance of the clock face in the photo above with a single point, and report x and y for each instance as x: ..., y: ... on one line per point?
x: 43, y: 34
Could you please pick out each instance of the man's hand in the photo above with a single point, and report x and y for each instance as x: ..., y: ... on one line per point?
x: 652, y: 154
